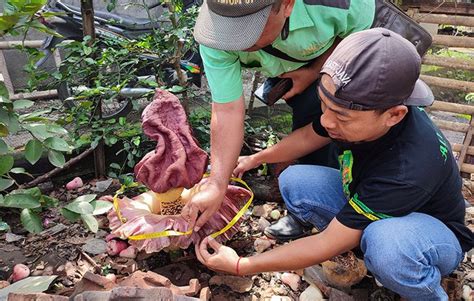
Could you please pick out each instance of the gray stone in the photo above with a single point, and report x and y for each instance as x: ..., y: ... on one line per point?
x: 95, y: 246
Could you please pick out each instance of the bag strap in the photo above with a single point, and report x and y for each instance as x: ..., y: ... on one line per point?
x: 280, y: 54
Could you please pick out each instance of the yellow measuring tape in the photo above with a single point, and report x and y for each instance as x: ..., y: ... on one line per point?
x: 178, y: 233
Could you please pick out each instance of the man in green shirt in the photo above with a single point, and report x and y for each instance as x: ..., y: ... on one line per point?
x: 232, y: 34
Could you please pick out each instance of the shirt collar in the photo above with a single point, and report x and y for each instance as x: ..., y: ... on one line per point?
x: 299, y: 17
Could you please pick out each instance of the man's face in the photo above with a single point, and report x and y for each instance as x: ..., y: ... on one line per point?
x: 355, y: 126
x: 274, y: 25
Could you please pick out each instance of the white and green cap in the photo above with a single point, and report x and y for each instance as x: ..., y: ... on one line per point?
x: 231, y: 24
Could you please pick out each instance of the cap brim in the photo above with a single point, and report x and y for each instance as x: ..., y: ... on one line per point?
x: 229, y: 33
x: 421, y: 96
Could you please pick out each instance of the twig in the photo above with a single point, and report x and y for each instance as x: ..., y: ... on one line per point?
x: 91, y: 261
x: 48, y: 175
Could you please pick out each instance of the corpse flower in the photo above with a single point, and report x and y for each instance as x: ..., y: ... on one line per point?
x: 174, y: 173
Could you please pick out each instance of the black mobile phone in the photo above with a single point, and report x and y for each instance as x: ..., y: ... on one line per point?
x: 273, y: 89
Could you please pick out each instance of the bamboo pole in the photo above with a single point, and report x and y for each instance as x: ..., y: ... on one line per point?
x: 466, y: 167
x: 444, y: 19
x: 452, y: 126
x: 14, y: 44
x: 48, y: 94
x: 453, y: 41
x: 454, y: 8
x: 448, y: 83
x: 456, y: 147
x: 452, y: 107
x: 450, y: 62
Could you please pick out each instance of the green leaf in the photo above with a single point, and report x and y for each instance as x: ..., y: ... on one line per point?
x: 31, y: 221
x: 23, y: 104
x: 33, y: 151
x: 4, y: 226
x: 3, y: 147
x: 80, y: 207
x: 5, y: 183
x: 115, y: 166
x: 6, y: 163
x: 91, y: 222
x: 3, y: 130
x: 56, y: 158
x: 85, y: 198
x: 18, y: 170
x: 3, y: 88
x: 101, y: 207
x: 49, y: 202
x: 21, y: 200
x: 176, y: 89
x: 87, y: 50
x: 58, y: 144
x: 69, y: 215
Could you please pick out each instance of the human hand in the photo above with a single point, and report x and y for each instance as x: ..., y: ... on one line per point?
x: 301, y: 78
x: 245, y: 163
x: 207, y: 201
x: 224, y: 259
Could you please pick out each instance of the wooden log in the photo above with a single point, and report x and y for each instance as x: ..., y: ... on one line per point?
x: 466, y: 167
x: 453, y: 41
x: 452, y: 126
x: 14, y: 44
x: 452, y: 107
x: 465, y: 9
x: 456, y: 147
x: 444, y: 19
x: 448, y: 83
x: 449, y: 62
x: 36, y: 95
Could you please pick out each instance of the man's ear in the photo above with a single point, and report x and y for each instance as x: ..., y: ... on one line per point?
x: 287, y: 6
x: 395, y: 115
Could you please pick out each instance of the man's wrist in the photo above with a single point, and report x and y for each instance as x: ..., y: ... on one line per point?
x: 244, y: 266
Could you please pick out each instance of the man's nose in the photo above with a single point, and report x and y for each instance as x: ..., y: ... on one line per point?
x: 328, y: 120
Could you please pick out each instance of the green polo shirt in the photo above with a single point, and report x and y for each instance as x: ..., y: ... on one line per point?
x: 314, y: 25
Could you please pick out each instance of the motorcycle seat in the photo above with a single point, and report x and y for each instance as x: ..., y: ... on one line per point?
x: 125, y: 22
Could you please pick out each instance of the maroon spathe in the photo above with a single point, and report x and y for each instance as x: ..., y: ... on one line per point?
x: 177, y: 160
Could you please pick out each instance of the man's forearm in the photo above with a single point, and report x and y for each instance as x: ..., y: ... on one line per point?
x: 296, y: 145
x: 227, y: 132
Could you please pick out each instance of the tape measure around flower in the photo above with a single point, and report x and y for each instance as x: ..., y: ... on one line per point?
x: 178, y: 233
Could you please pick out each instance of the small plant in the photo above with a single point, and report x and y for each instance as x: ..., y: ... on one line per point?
x: 85, y: 208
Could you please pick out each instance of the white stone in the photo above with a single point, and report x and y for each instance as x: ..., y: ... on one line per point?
x: 312, y: 293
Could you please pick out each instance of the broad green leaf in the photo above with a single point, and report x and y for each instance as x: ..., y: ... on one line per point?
x: 21, y: 200
x: 31, y: 221
x: 3, y: 146
x: 39, y: 131
x: 3, y: 88
x: 56, y: 158
x: 176, y: 89
x: 85, y: 198
x: 91, y: 222
x: 22, y: 104
x: 69, y: 215
x: 5, y: 183
x: 58, y: 144
x: 49, y: 202
x: 4, y: 226
x: 101, y: 207
x: 33, y: 151
x: 32, y: 284
x: 3, y: 130
x: 7, y: 22
x: 115, y: 166
x: 6, y: 163
x: 80, y: 207
x: 18, y: 170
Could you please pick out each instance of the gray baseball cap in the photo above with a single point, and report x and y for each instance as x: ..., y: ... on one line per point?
x: 376, y: 69
x: 231, y: 24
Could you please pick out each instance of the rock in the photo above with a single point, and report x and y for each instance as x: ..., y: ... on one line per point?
x: 312, y: 293
x: 111, y: 277
x: 262, y: 244
x: 4, y: 284
x: 74, y: 184
x: 279, y: 290
x: 281, y: 298
x: 344, y: 270
x: 262, y: 224
x: 95, y: 246
x: 11, y: 237
x: 466, y: 292
x: 275, y: 214
x: 235, y: 283
x: 261, y: 210
x: 101, y: 234
x: 292, y: 280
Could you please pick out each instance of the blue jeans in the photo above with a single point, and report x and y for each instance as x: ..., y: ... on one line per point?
x: 408, y: 254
